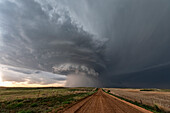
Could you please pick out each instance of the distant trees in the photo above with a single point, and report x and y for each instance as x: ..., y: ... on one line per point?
x: 108, y: 91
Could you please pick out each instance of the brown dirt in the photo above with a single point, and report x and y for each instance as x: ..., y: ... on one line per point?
x: 102, y: 102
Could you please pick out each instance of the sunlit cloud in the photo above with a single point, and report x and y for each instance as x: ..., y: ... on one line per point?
x: 1, y: 82
x: 19, y: 77
x: 4, y: 83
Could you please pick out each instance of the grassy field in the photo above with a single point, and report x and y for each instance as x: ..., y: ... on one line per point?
x: 150, y: 97
x: 39, y: 100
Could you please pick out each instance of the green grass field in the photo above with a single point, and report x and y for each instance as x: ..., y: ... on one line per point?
x: 39, y: 100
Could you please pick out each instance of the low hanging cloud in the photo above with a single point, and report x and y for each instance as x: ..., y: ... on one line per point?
x: 100, y: 42
x: 16, y: 75
x: 78, y: 75
x: 74, y: 68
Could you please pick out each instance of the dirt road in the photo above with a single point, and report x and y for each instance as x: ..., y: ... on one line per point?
x: 102, y: 102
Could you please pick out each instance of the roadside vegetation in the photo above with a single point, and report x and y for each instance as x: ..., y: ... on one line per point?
x: 155, y: 100
x: 158, y: 90
x: 40, y: 100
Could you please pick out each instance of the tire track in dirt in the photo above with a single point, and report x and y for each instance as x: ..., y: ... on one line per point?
x: 101, y: 102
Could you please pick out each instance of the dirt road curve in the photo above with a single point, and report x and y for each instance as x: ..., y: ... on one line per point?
x: 101, y: 102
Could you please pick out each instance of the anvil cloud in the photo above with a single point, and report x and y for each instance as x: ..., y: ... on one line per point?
x: 113, y: 43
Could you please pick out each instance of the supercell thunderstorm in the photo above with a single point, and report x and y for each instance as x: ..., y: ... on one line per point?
x: 94, y: 43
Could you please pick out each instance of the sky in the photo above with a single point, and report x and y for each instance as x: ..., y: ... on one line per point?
x: 82, y: 43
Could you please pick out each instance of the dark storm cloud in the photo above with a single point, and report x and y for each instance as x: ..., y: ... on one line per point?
x: 41, y: 37
x: 109, y: 38
x: 35, y: 38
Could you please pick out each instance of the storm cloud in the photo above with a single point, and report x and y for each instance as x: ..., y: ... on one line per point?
x: 22, y: 76
x: 113, y: 43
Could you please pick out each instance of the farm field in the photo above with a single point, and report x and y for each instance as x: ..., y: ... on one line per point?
x: 36, y: 100
x: 151, y: 97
